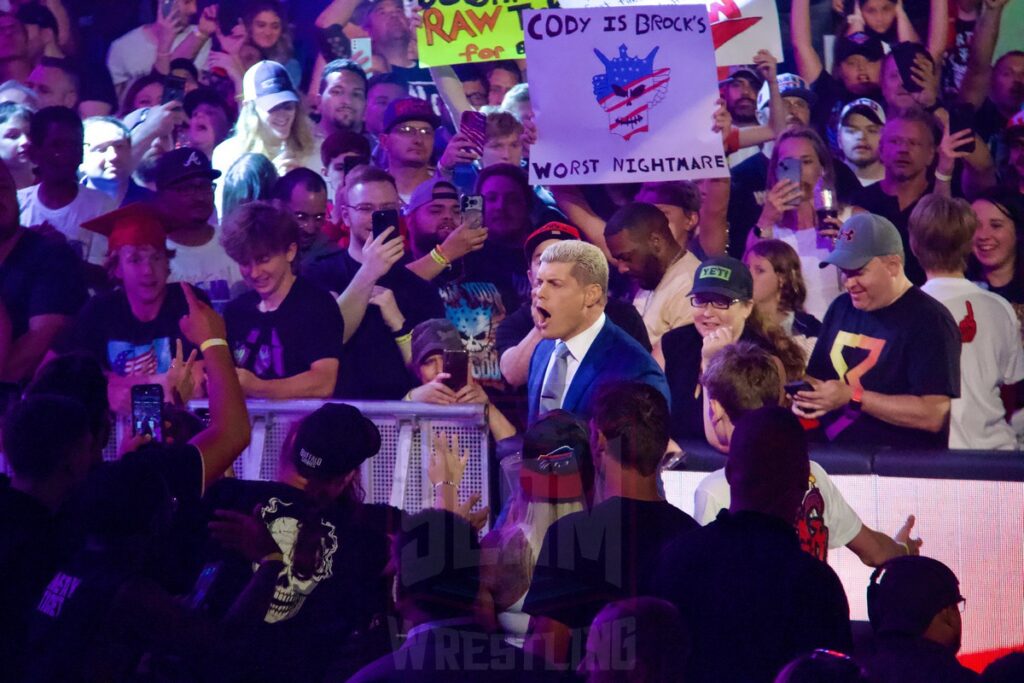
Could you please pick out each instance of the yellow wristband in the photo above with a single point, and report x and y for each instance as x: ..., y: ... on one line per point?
x: 212, y: 342
x: 404, y: 339
x: 439, y: 258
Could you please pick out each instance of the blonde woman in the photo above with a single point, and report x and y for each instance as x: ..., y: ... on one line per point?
x: 273, y: 122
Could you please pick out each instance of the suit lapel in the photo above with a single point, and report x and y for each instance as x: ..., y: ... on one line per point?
x: 587, y: 372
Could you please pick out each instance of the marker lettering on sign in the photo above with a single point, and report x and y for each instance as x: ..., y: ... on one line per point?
x: 550, y: 25
x: 648, y: 23
x: 561, y: 169
x: 614, y: 23
x: 469, y: 21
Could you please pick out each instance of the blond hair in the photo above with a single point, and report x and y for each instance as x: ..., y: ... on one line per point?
x: 257, y: 138
x: 589, y: 266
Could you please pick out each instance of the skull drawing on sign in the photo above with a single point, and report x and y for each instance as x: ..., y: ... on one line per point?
x: 473, y: 324
x: 628, y: 89
x: 292, y: 589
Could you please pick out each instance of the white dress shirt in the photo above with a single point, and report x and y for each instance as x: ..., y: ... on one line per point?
x: 578, y: 347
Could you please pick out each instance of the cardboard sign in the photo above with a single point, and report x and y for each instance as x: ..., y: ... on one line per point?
x: 465, y: 31
x: 739, y: 28
x: 631, y: 98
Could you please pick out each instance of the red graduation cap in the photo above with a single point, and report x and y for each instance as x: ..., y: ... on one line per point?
x: 134, y: 225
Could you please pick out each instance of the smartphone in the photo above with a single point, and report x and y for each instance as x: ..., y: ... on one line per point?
x: 472, y: 210
x: 350, y: 162
x: 464, y: 177
x: 473, y: 125
x: 456, y: 366
x: 793, y: 388
x: 166, y: 7
x: 148, y: 410
x: 961, y: 117
x: 174, y: 89
x: 382, y: 220
x: 904, y: 54
x: 790, y: 168
x: 365, y: 46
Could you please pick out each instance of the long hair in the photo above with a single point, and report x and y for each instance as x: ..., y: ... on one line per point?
x: 775, y: 340
x: 283, y: 50
x: 1010, y: 205
x: 128, y: 101
x: 786, y: 264
x: 251, y: 178
x: 257, y: 138
x: 820, y: 149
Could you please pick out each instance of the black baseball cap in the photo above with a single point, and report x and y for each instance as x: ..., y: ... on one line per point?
x: 209, y: 96
x: 549, y: 231
x: 906, y: 593
x: 409, y: 109
x: 725, y: 276
x: 435, y: 335
x: 859, y: 43
x: 181, y: 164
x: 334, y: 440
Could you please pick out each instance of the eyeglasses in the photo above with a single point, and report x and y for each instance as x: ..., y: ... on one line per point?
x: 303, y: 217
x: 719, y: 304
x: 370, y: 208
x: 413, y: 130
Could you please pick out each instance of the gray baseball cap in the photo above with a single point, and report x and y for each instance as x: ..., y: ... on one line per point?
x: 861, y: 238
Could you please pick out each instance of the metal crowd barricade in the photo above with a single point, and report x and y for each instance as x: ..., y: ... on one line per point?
x: 397, y: 475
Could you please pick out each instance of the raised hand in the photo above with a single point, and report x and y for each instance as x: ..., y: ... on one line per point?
x: 201, y: 323
x: 913, y: 545
x: 382, y: 252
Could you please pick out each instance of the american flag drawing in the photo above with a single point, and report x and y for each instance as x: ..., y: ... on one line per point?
x: 148, y: 359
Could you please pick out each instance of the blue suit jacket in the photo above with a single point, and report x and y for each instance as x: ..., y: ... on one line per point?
x: 614, y: 356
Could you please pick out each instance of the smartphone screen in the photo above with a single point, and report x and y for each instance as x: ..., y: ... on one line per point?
x: 147, y: 410
x: 961, y: 117
x: 456, y: 366
x: 174, y: 89
x: 472, y: 210
x: 382, y: 220
x: 904, y: 54
x: 166, y: 7
x: 789, y: 168
x: 473, y: 125
x: 364, y: 46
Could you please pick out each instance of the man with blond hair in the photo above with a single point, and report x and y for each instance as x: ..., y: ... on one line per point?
x: 580, y: 349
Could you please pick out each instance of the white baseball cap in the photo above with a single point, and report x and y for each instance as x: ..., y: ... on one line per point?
x: 268, y: 85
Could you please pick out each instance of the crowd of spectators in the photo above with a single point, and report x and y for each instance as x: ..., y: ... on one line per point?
x: 239, y: 200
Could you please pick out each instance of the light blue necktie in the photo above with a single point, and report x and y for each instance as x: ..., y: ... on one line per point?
x: 554, y: 383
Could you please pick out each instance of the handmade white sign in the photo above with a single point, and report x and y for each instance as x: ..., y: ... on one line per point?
x: 622, y: 94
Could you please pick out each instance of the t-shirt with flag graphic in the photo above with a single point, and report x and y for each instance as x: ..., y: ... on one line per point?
x: 107, y: 329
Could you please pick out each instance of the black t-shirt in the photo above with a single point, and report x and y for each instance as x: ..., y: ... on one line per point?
x: 898, y: 658
x: 594, y: 557
x: 988, y: 122
x: 372, y: 363
x: 108, y: 330
x: 876, y: 201
x: 305, y: 328
x: 40, y: 277
x: 310, y: 617
x: 746, y: 199
x: 911, y: 347
x: 682, y: 350
x: 847, y: 183
x: 755, y: 600
x: 28, y: 558
x: 514, y: 328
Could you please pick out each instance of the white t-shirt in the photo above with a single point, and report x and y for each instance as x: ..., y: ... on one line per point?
x: 666, y: 307
x: 988, y: 359
x: 209, y: 268
x: 822, y: 283
x: 837, y: 521
x: 134, y: 54
x: 68, y: 220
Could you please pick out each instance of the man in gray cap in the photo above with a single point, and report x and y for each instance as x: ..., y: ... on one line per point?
x: 887, y: 361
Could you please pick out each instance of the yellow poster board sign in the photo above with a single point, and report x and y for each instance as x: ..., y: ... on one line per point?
x: 469, y: 31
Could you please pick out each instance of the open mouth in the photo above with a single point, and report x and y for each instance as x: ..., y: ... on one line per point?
x: 629, y: 121
x: 543, y: 312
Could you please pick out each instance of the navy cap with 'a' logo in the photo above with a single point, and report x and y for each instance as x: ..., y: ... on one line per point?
x: 181, y: 164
